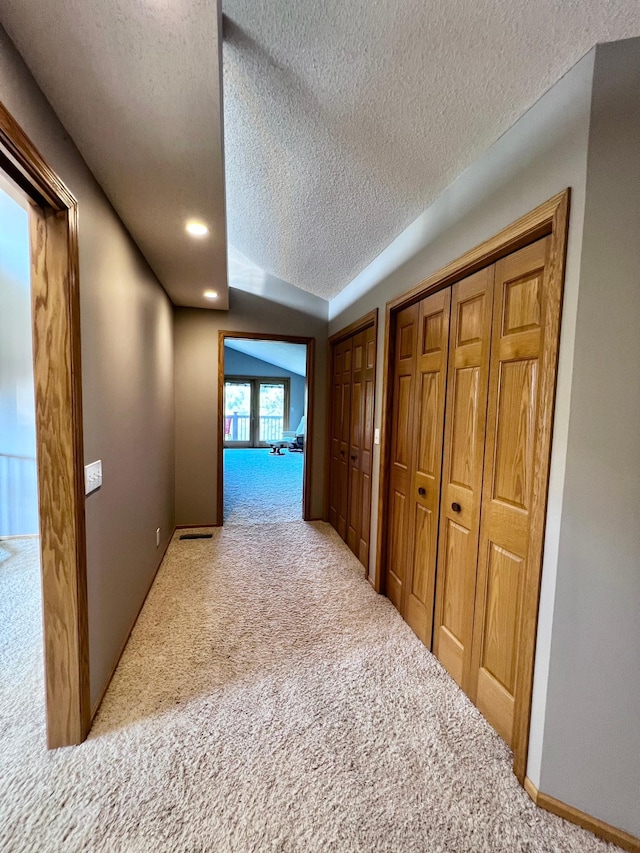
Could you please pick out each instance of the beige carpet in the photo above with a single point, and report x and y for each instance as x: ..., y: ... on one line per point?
x: 268, y: 701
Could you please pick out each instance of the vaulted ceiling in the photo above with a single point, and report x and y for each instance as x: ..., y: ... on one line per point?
x: 344, y: 119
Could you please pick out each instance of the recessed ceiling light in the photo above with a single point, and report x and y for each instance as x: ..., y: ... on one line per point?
x: 211, y: 294
x: 197, y: 229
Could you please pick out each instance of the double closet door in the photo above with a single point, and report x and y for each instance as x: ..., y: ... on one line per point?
x: 352, y: 398
x: 465, y: 414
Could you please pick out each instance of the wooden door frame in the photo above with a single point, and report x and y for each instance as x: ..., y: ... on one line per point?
x: 255, y: 382
x: 308, y: 442
x: 365, y: 322
x: 55, y: 302
x: 550, y: 218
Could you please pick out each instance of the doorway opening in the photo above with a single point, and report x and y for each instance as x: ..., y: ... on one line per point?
x: 265, y: 401
x: 50, y: 307
x: 21, y: 662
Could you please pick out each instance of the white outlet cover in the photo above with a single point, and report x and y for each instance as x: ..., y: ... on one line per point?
x: 92, y: 476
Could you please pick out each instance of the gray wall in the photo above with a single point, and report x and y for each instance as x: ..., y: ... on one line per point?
x: 591, y: 750
x: 196, y: 399
x: 585, y: 740
x: 240, y: 364
x: 127, y: 378
x: 539, y: 156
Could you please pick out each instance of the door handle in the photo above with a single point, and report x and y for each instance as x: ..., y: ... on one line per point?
x: 422, y: 491
x: 342, y: 453
x: 456, y: 507
x: 353, y: 458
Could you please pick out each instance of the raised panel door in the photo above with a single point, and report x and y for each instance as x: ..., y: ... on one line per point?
x: 401, y: 453
x: 426, y: 439
x: 464, y: 441
x: 340, y: 427
x: 512, y: 415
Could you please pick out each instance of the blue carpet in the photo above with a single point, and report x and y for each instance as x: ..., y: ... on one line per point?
x: 260, y: 488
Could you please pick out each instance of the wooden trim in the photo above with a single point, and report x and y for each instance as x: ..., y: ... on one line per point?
x: 592, y: 824
x: 529, y: 228
x: 58, y: 402
x: 364, y: 322
x: 308, y: 441
x: 192, y: 526
x: 385, y: 451
x: 370, y: 319
x: 550, y: 218
x: 28, y: 168
x: 554, y: 286
x: 310, y: 388
x: 112, y: 672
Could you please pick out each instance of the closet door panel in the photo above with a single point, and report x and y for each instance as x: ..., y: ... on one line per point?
x: 341, y: 408
x: 428, y: 422
x: 336, y: 429
x: 365, y: 458
x: 467, y: 388
x: 354, y: 526
x: 402, y: 453
x: 512, y: 415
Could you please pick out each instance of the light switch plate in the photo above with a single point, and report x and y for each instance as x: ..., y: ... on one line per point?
x: 376, y: 436
x: 92, y: 476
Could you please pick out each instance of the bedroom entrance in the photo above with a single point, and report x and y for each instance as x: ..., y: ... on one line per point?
x: 264, y: 399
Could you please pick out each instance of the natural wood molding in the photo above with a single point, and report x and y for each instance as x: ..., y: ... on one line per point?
x: 359, y: 325
x: 385, y: 450
x: 529, y: 228
x: 98, y: 702
x: 549, y: 218
x: 310, y: 386
x: 28, y: 168
x: 554, y: 287
x: 592, y: 824
x: 192, y: 526
x: 58, y: 402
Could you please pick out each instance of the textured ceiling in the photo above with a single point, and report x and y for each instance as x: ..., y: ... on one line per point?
x: 137, y: 85
x: 345, y: 119
x: 291, y: 357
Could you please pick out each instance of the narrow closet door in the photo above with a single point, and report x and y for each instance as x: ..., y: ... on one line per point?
x: 361, y: 443
x: 518, y: 323
x: 427, y: 432
x: 402, y: 451
x: 341, y: 409
x: 464, y: 441
x: 356, y: 428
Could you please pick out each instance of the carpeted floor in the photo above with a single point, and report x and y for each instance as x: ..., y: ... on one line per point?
x: 268, y: 700
x: 260, y: 487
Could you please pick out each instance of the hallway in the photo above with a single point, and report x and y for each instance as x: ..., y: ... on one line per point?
x: 269, y: 700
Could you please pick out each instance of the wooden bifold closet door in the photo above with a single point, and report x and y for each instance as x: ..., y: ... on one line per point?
x: 463, y: 444
x: 351, y: 456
